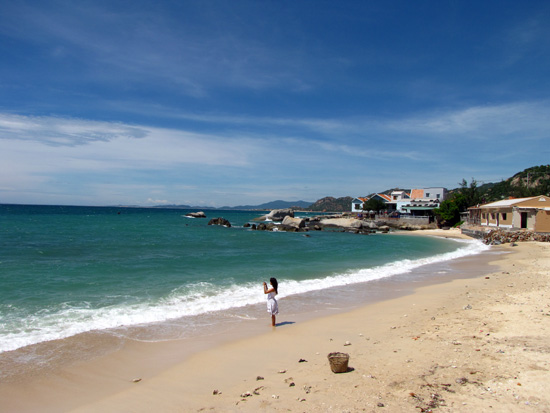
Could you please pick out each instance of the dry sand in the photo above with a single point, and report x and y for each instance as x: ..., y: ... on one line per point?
x: 478, y: 344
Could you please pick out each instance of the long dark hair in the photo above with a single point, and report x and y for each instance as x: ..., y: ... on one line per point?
x: 274, y: 283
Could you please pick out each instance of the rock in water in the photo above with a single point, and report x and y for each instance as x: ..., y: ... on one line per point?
x: 199, y: 214
x: 220, y: 221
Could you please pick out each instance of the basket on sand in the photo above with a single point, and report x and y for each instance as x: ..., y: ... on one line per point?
x: 338, y: 362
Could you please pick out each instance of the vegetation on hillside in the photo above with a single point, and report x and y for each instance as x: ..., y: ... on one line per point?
x: 530, y: 182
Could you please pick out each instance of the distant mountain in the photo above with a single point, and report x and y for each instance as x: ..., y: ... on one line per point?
x: 272, y: 205
x: 173, y: 206
x: 267, y: 206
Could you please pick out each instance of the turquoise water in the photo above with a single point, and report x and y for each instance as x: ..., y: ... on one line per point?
x: 69, y: 270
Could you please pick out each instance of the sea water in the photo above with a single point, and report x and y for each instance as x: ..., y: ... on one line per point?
x: 154, y: 274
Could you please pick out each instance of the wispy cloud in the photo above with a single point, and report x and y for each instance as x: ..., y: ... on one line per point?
x: 480, y: 122
x: 56, y: 131
x: 138, y: 47
x: 525, y: 118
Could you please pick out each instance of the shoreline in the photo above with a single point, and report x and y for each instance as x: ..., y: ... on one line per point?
x: 232, y: 365
x: 175, y: 328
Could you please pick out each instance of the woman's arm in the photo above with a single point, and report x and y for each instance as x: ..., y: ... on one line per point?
x: 268, y: 290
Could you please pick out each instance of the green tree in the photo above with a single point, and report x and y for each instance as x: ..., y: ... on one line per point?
x: 374, y: 204
x: 448, y: 213
x: 470, y: 195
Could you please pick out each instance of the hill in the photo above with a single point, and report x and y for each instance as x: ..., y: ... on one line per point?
x: 331, y: 204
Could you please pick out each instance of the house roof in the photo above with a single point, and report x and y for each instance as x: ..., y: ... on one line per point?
x: 505, y: 203
x: 387, y: 198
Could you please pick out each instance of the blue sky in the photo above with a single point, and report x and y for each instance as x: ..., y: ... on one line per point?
x: 237, y: 102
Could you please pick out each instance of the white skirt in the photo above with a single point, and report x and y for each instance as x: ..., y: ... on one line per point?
x: 272, y: 306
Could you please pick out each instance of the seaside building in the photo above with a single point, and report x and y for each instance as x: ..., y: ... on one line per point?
x: 392, y: 201
x: 417, y: 202
x: 357, y: 204
x: 399, y: 199
x: 424, y: 201
x: 531, y: 213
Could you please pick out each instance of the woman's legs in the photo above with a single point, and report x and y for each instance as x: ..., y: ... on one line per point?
x: 273, y: 320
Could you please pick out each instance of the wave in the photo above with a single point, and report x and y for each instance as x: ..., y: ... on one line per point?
x: 199, y: 298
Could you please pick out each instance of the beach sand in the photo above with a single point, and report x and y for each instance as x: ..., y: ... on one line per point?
x: 477, y: 344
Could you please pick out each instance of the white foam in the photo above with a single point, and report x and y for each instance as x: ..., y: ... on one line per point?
x: 193, y: 300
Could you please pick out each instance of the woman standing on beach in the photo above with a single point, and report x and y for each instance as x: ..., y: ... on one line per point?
x: 272, y: 305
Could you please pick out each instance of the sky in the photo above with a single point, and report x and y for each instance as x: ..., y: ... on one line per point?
x: 225, y: 103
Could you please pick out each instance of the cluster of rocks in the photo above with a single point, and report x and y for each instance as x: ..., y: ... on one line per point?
x: 499, y: 236
x: 284, y: 220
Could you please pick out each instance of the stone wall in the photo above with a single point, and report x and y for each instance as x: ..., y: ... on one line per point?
x: 499, y: 236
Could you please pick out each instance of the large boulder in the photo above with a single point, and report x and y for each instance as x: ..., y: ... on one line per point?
x: 347, y: 223
x: 293, y: 222
x: 220, y: 221
x: 369, y: 224
x: 280, y: 214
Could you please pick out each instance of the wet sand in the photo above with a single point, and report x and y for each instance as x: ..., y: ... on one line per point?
x: 469, y: 344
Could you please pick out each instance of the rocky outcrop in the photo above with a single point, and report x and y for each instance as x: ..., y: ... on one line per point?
x: 279, y: 214
x: 220, y: 221
x: 334, y: 222
x: 199, y: 214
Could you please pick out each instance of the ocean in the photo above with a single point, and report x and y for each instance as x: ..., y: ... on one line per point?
x: 154, y: 274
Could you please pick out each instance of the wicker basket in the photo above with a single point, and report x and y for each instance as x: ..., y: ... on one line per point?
x: 338, y: 362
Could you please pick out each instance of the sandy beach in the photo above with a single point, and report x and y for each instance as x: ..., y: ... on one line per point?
x: 476, y: 344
